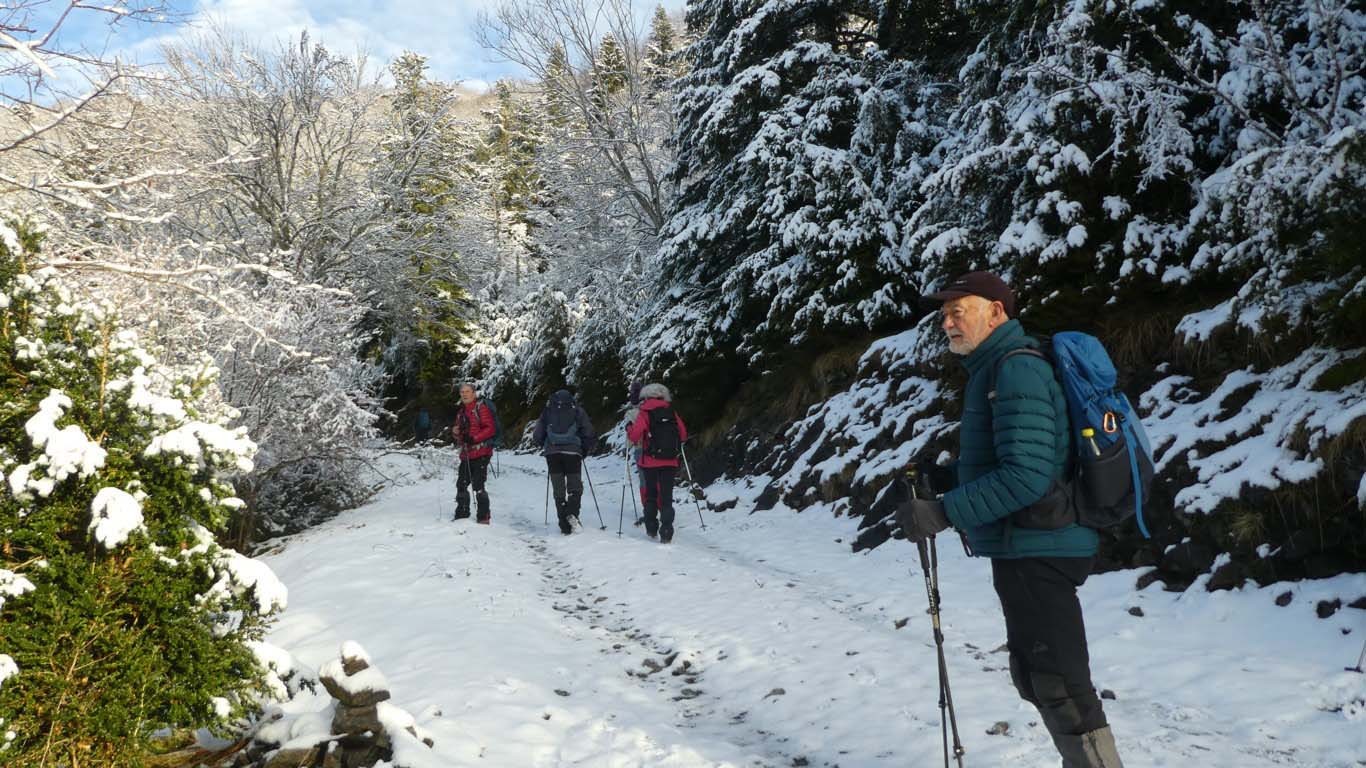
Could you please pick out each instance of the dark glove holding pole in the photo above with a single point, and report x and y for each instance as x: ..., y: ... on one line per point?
x: 934, y: 479
x: 918, y: 518
x: 899, y: 507
x: 921, y: 518
x: 462, y: 435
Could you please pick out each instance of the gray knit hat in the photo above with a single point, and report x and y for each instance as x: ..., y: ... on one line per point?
x: 656, y: 391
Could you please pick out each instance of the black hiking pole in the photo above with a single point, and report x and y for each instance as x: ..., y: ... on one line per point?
x: 440, y: 509
x: 595, y: 496
x: 621, y: 513
x: 1360, y: 660
x: 945, y: 693
x: 929, y: 563
x: 693, y: 483
x: 547, y: 497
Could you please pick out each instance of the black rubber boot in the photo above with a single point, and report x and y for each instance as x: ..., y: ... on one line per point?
x: 651, y: 516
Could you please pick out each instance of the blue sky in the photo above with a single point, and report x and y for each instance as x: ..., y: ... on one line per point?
x: 441, y: 30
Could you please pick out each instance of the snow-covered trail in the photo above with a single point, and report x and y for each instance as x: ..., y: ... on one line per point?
x: 762, y: 642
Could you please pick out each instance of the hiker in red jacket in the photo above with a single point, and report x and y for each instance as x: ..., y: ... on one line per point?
x: 660, y: 433
x: 473, y: 430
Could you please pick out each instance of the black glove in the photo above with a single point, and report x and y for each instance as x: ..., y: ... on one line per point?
x: 921, y: 518
x: 933, y: 479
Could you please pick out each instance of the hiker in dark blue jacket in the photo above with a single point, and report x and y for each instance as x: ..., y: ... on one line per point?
x: 565, y: 435
x: 1015, y: 444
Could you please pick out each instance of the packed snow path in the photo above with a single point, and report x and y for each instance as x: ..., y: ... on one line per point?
x: 763, y: 642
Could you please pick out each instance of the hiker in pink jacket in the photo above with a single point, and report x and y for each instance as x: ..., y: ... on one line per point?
x: 660, y: 432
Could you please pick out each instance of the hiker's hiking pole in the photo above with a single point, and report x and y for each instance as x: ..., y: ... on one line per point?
x: 547, y: 497
x: 621, y: 514
x: 945, y: 693
x: 693, y: 483
x: 635, y: 486
x: 595, y: 495
x: 929, y: 563
x: 1360, y: 660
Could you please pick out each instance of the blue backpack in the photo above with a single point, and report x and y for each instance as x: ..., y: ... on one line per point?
x: 1112, y: 467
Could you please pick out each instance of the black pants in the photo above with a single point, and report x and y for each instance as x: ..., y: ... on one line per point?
x: 472, y: 472
x: 566, y: 483
x: 659, y: 500
x: 1049, y: 661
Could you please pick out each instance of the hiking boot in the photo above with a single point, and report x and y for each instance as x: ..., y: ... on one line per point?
x: 666, y: 535
x: 651, y: 521
x: 482, y: 520
x: 1095, y: 749
x: 574, y: 522
x: 565, y: 527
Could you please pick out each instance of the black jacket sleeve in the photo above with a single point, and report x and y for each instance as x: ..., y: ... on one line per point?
x: 586, y: 433
x: 538, y: 436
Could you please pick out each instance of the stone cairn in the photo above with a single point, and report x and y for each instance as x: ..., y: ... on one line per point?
x: 357, y: 738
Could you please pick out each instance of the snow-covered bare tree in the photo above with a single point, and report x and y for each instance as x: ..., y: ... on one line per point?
x: 589, y: 58
x: 300, y: 208
x: 48, y: 85
x: 600, y: 94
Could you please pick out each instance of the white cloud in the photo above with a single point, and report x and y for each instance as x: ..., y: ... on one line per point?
x: 443, y: 32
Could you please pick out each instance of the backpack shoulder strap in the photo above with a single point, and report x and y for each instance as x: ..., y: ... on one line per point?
x: 996, y: 369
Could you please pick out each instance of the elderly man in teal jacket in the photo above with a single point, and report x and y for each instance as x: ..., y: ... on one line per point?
x: 1015, y: 445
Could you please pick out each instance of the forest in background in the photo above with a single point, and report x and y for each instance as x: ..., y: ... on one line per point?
x: 743, y: 203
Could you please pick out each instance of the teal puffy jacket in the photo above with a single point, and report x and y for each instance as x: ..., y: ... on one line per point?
x: 1011, y: 450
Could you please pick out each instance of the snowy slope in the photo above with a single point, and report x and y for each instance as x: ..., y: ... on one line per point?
x: 775, y: 645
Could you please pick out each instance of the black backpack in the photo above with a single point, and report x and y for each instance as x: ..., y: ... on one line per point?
x: 662, y: 440
x: 562, y: 425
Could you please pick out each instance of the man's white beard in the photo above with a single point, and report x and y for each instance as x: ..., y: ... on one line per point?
x: 961, y: 346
